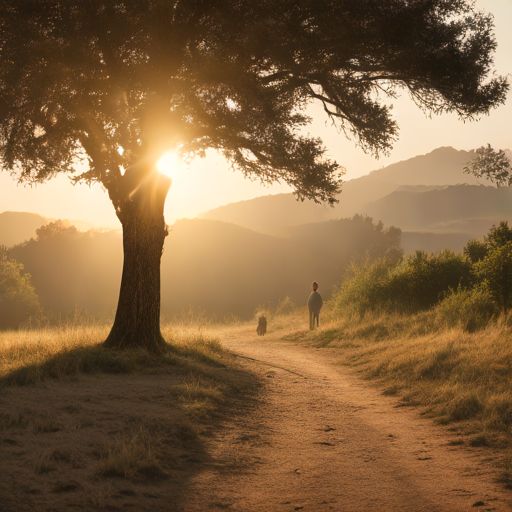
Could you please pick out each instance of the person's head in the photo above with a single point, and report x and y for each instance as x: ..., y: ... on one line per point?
x: 314, y: 286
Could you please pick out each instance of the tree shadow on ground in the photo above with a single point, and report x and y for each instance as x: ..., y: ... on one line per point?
x: 95, y: 428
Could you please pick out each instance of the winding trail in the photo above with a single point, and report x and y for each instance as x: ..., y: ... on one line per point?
x: 320, y: 439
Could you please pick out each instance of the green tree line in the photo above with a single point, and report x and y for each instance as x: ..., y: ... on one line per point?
x: 213, y: 266
x: 475, y: 285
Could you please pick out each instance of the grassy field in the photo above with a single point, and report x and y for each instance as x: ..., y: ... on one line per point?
x: 82, y: 426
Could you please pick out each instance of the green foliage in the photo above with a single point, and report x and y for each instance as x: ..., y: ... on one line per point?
x: 366, y: 287
x: 18, y: 299
x: 58, y: 228
x: 491, y: 164
x: 498, y: 236
x: 472, y: 309
x: 373, y: 240
x: 475, y: 250
x: 492, y: 261
x: 496, y: 270
x: 415, y: 283
x: 481, y: 276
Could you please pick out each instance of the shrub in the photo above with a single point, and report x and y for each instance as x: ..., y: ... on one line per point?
x: 498, y: 236
x: 18, y: 299
x: 365, y: 288
x: 496, y: 271
x: 475, y: 250
x: 472, y: 309
x: 416, y: 283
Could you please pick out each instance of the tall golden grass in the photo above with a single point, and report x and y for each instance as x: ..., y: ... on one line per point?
x: 30, y: 356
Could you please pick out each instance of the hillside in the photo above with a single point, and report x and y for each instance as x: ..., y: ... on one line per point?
x: 260, y: 214
x: 274, y: 214
x: 209, y: 265
x: 456, y: 208
x: 443, y: 166
x: 16, y: 227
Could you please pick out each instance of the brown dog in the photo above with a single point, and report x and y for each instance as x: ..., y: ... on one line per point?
x: 262, y: 326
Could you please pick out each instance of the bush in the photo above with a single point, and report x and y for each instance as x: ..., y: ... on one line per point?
x: 496, y: 271
x: 498, y: 236
x: 416, y: 283
x: 365, y: 288
x: 475, y: 250
x: 472, y: 309
x: 18, y: 300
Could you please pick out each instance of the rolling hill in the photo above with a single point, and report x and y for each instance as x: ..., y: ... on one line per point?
x: 209, y: 265
x: 16, y: 227
x: 429, y: 197
x: 274, y: 214
x: 454, y: 208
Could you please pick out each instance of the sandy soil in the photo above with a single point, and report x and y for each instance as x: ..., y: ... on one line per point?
x: 322, y: 439
x: 315, y: 438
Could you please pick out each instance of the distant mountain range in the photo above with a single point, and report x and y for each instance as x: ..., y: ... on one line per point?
x: 425, y: 193
x: 464, y: 208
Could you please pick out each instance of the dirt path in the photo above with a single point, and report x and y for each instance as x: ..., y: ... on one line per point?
x: 321, y: 439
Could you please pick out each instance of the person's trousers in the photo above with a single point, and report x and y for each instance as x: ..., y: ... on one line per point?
x: 312, y: 316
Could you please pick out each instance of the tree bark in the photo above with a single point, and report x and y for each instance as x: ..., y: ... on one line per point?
x: 137, y: 321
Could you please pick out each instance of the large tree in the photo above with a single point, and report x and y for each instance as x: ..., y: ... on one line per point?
x: 119, y: 82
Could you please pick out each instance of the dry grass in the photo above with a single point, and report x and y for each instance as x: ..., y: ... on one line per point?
x: 87, y: 427
x: 29, y: 357
x: 199, y: 396
x: 135, y: 458
x: 48, y: 460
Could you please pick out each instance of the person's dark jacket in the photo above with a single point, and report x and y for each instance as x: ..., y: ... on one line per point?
x: 315, y: 302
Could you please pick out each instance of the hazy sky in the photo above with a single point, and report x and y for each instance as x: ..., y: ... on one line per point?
x: 209, y: 182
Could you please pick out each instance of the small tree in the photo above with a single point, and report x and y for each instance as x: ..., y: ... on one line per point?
x: 18, y: 299
x: 491, y: 164
x: 498, y: 236
x: 475, y: 250
x: 118, y: 83
x: 496, y: 270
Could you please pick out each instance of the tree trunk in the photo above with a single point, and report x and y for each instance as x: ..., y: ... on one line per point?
x: 137, y: 321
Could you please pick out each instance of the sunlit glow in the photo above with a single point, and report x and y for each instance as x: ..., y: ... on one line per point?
x: 169, y: 164
x: 231, y: 104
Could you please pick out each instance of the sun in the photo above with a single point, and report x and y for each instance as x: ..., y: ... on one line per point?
x: 168, y: 164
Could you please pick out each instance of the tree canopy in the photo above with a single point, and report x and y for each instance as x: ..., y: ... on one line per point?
x: 18, y: 299
x: 115, y: 82
x: 491, y: 164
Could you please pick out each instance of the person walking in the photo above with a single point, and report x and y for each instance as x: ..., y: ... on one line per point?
x: 315, y: 303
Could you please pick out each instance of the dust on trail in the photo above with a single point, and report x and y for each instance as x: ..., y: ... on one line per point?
x: 320, y: 439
